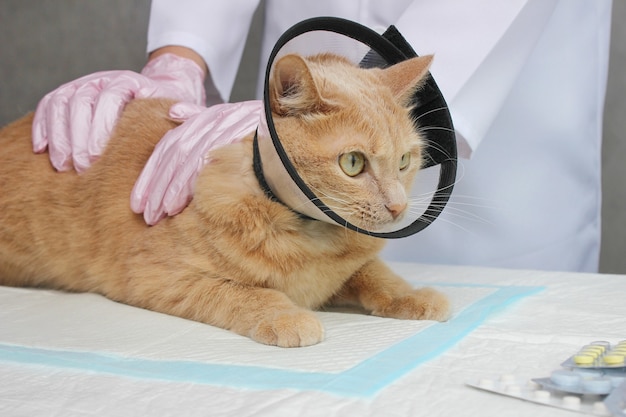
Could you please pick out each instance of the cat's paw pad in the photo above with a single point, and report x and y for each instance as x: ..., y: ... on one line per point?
x: 422, y: 304
x: 292, y: 328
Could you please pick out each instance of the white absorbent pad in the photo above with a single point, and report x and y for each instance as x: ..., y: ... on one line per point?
x: 360, y: 355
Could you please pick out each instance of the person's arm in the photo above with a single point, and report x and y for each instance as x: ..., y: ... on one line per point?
x: 215, y: 30
x: 180, y: 51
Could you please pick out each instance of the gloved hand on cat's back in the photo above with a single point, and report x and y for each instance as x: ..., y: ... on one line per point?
x: 75, y: 121
x: 166, y: 183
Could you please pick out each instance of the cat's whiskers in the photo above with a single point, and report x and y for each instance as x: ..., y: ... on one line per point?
x: 430, y: 219
x: 346, y: 208
x: 459, y: 207
x: 454, y: 211
x: 428, y: 195
x: 428, y: 142
x: 435, y: 145
x: 333, y: 203
x: 427, y: 128
x: 431, y: 111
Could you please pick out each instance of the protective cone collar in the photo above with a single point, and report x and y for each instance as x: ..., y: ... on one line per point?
x: 368, y: 49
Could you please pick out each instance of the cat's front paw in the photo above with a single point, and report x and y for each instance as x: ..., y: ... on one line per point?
x: 291, y: 328
x: 422, y: 304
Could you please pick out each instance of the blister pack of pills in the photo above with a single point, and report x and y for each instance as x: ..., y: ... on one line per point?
x: 531, y: 391
x: 598, y: 355
x: 588, y: 382
x: 582, y: 383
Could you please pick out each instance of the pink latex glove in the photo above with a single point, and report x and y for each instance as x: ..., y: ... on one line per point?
x: 166, y: 184
x: 75, y: 121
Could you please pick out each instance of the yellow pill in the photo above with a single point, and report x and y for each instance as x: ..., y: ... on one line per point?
x: 584, y: 359
x: 594, y: 348
x: 613, y: 359
x: 590, y: 353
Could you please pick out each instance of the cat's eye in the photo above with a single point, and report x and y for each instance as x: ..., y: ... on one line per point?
x: 352, y: 163
x: 405, y: 160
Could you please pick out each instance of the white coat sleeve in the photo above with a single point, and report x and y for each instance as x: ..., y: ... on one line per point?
x: 216, y: 30
x: 480, y: 48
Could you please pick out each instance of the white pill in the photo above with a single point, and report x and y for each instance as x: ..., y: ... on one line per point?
x: 532, y: 385
x: 542, y: 395
x: 571, y: 402
x: 486, y: 383
x: 508, y: 378
x: 600, y: 408
x: 513, y: 390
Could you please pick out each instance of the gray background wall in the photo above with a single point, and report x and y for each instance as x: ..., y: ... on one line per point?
x: 44, y: 43
x: 613, y: 255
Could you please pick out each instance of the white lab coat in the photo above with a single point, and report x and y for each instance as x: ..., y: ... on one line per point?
x: 525, y: 82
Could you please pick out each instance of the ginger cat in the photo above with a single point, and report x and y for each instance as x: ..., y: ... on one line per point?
x: 233, y: 258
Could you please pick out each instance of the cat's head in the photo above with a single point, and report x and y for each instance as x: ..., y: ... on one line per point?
x: 349, y: 133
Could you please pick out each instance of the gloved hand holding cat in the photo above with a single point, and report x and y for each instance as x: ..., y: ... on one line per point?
x: 165, y: 185
x: 75, y: 121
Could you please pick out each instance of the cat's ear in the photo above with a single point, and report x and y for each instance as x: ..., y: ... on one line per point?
x: 292, y: 88
x: 407, y: 76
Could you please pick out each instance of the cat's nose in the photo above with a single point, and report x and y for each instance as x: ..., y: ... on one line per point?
x: 396, y: 209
